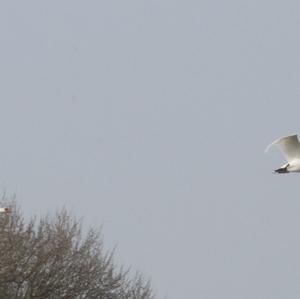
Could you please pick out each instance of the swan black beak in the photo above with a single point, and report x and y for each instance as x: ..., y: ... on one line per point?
x: 282, y: 170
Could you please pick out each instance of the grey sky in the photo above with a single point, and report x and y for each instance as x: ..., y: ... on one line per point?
x: 151, y: 117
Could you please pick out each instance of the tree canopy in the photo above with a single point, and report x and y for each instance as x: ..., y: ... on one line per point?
x: 51, y: 258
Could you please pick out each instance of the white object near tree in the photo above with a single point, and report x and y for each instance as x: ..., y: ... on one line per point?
x: 5, y: 210
x: 290, y: 147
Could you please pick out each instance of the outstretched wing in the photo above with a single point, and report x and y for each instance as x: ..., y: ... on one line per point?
x: 289, y: 146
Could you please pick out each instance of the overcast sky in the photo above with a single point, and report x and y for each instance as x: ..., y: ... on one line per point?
x: 151, y: 118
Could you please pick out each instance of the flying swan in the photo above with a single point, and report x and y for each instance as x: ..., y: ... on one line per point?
x: 5, y: 210
x: 290, y: 147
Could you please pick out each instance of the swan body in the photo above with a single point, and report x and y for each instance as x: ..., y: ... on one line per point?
x: 290, y: 147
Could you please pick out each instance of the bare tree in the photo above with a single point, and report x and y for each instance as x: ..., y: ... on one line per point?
x: 51, y: 258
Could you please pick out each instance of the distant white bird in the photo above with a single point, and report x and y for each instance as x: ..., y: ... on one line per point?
x: 5, y: 210
x: 290, y: 147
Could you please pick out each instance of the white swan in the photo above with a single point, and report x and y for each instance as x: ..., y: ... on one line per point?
x: 5, y: 210
x: 290, y: 147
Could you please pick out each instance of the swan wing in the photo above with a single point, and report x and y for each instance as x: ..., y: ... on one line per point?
x: 289, y: 146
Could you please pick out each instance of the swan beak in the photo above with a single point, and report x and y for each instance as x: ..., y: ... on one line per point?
x: 282, y: 170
